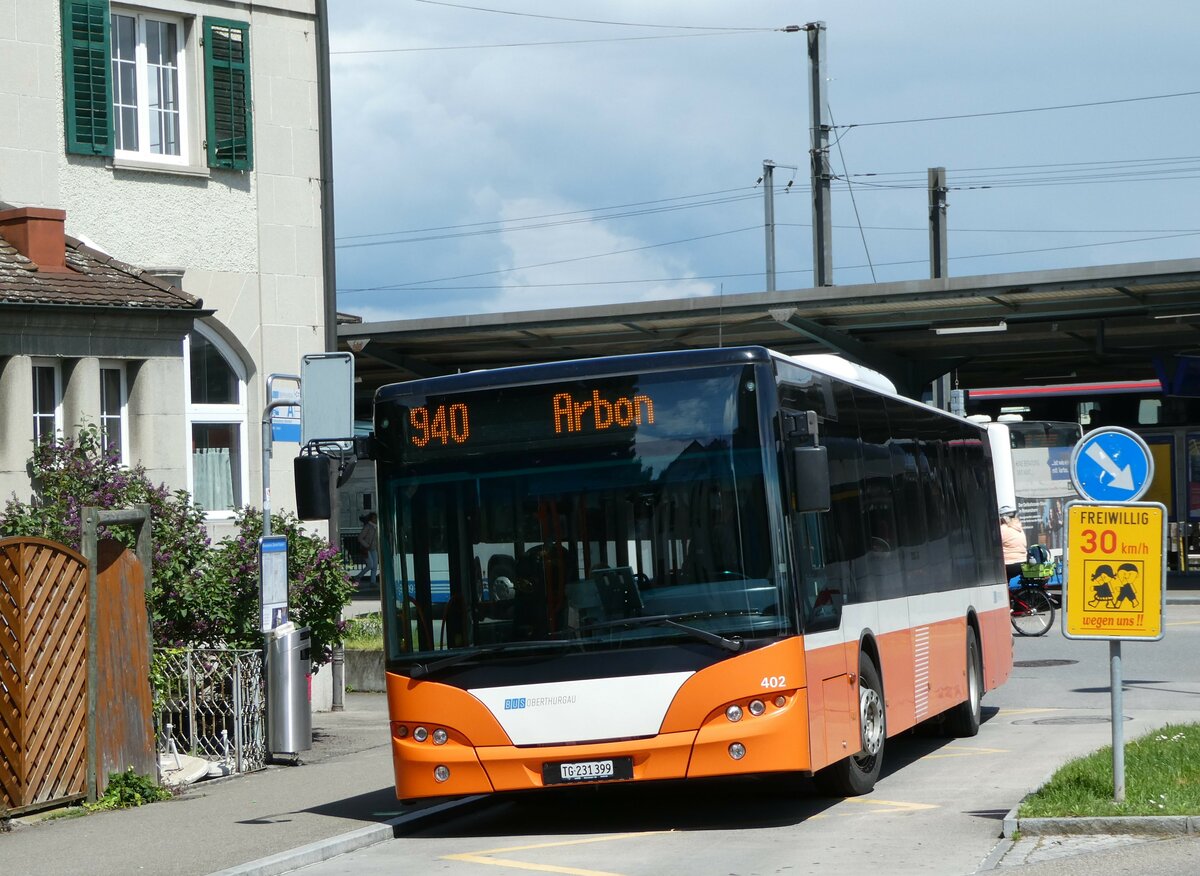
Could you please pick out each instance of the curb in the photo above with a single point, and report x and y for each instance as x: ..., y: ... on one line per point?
x: 1130, y: 825
x: 326, y: 849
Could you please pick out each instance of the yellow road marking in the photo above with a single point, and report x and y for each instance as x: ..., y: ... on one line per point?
x: 484, y: 857
x: 1027, y: 711
x: 1183, y: 623
x: 960, y: 751
x: 894, y: 805
x: 522, y: 865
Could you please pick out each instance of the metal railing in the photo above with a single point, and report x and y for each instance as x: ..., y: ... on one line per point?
x: 211, y: 703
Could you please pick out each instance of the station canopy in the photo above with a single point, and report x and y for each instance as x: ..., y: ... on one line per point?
x: 1072, y: 325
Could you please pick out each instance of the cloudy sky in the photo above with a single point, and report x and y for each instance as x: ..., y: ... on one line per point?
x: 506, y: 155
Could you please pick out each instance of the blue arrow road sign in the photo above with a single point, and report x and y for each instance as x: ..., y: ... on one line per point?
x: 1112, y: 465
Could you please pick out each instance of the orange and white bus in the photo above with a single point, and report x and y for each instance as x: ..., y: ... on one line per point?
x: 699, y: 563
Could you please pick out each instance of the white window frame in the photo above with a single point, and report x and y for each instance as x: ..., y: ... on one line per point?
x: 226, y: 414
x: 142, y: 80
x: 122, y: 415
x: 39, y: 415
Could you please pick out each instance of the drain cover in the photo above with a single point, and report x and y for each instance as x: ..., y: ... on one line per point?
x: 1042, y: 664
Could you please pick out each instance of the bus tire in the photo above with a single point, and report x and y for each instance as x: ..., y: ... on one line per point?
x: 964, y: 719
x: 857, y: 774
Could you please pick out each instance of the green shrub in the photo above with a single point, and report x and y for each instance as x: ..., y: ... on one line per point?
x: 364, y: 632
x: 70, y: 474
x: 129, y: 789
x: 319, y: 586
x: 199, y: 595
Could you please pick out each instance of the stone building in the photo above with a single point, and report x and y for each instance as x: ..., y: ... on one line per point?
x: 172, y: 152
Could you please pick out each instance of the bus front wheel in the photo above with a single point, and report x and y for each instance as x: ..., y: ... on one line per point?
x: 858, y: 773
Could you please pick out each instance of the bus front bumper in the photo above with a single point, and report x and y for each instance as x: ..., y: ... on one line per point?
x: 775, y: 741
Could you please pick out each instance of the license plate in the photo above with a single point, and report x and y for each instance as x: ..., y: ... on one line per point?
x: 558, y: 773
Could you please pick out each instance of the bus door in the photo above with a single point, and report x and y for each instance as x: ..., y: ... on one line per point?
x: 821, y: 559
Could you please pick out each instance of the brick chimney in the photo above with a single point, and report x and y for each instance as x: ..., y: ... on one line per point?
x: 38, y: 234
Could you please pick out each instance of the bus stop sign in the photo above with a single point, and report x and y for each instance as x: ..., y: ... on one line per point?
x: 1115, y: 579
x: 1112, y: 465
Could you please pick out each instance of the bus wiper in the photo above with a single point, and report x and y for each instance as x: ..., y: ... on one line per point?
x: 732, y: 644
x: 420, y: 670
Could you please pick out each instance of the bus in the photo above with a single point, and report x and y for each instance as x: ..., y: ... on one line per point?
x: 677, y: 565
x: 1041, y: 454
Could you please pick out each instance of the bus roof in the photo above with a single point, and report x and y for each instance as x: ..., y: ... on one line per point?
x: 568, y: 370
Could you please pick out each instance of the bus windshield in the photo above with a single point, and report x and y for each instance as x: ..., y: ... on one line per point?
x: 601, y: 513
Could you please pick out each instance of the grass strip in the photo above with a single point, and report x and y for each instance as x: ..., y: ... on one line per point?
x: 1162, y: 777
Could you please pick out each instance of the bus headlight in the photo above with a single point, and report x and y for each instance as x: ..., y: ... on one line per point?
x: 734, y: 713
x: 440, y: 736
x: 737, y: 751
x: 441, y: 773
x: 757, y: 707
x: 420, y: 734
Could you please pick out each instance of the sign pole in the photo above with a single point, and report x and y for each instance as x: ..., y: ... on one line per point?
x: 1118, y: 721
x: 1116, y: 578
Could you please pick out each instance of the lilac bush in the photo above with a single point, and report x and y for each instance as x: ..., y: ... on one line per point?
x: 199, y: 594
x: 318, y: 584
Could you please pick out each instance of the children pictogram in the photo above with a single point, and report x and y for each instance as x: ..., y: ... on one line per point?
x: 1114, y: 590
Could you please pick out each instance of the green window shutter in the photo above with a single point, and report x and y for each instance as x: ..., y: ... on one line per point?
x: 227, y: 93
x: 87, y: 83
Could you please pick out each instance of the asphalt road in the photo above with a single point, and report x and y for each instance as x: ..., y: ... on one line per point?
x: 937, y: 809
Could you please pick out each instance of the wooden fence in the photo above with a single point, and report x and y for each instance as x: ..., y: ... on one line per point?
x: 75, y: 700
x: 43, y: 677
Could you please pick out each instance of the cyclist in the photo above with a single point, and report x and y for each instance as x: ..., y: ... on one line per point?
x: 1012, y: 539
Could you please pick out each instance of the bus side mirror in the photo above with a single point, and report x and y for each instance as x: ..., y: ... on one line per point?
x: 811, y: 468
x: 312, y: 487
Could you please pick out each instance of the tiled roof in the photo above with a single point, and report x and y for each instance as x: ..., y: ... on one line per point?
x: 96, y: 280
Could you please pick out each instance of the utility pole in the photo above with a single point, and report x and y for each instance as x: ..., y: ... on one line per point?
x: 768, y: 181
x: 938, y: 258
x: 938, y: 264
x: 822, y: 216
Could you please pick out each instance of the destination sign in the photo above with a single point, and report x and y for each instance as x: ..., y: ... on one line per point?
x: 447, y: 424
x: 610, y: 411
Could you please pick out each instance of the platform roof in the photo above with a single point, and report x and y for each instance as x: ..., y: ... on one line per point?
x: 1085, y: 324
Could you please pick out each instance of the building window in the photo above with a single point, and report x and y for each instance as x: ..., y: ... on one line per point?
x: 113, y: 429
x: 147, y: 85
x: 47, y: 402
x: 126, y: 92
x: 216, y: 408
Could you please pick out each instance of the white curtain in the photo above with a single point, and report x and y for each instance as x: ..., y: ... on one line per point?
x: 212, y: 473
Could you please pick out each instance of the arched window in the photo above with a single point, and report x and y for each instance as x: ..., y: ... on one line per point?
x: 215, y: 388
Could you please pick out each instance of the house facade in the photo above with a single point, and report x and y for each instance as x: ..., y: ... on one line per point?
x: 183, y: 138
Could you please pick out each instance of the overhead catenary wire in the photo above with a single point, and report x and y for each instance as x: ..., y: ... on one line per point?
x: 726, y: 196
x: 420, y: 286
x: 1036, y: 109
x: 849, y: 188
x: 568, y: 260
x: 514, y: 12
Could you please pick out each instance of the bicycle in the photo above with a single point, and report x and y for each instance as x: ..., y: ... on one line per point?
x: 1032, y: 609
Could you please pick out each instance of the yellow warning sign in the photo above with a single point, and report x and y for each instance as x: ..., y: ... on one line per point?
x: 1115, y: 574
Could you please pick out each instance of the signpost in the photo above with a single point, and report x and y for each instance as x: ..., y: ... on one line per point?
x: 1114, y: 578
x: 273, y: 585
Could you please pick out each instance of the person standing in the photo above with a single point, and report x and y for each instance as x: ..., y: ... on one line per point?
x: 1012, y: 539
x: 368, y: 540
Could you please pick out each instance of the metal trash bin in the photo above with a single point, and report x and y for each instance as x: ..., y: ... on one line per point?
x: 289, y: 698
